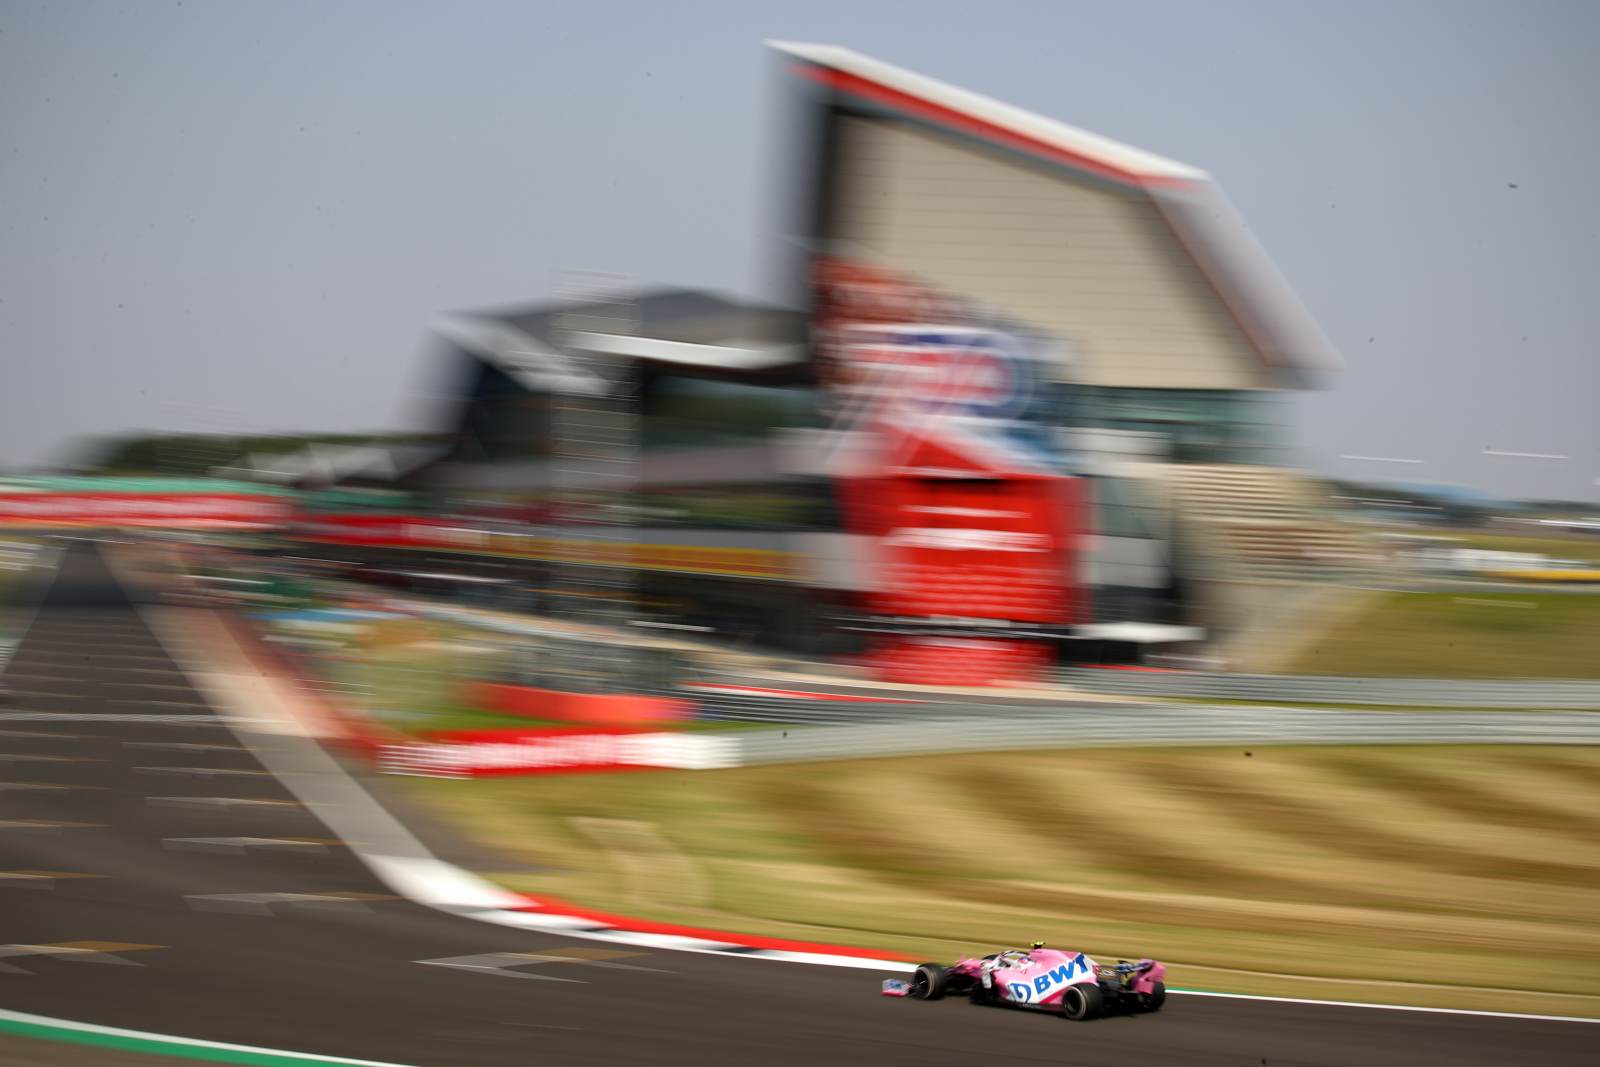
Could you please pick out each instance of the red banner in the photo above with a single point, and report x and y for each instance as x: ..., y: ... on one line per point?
x: 487, y: 753
x: 969, y: 547
x: 959, y: 661
x: 949, y: 465
x: 387, y: 531
x: 954, y: 473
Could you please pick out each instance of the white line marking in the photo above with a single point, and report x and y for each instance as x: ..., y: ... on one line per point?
x: 1381, y: 459
x: 25, y: 1019
x: 1524, y: 455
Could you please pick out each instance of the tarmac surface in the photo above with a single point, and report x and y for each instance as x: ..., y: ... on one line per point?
x: 154, y: 876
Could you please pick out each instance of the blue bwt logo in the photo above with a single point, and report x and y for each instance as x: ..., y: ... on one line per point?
x: 1051, y: 982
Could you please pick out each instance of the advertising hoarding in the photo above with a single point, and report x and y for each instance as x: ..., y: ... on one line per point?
x: 950, y: 467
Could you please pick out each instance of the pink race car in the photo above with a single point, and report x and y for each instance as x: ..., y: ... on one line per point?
x: 1066, y: 982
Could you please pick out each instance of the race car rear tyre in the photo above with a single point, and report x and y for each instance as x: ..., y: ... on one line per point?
x: 929, y: 982
x: 1153, y: 1000
x: 1082, y: 1001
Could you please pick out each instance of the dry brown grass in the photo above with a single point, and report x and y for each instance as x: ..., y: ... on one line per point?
x: 1466, y: 877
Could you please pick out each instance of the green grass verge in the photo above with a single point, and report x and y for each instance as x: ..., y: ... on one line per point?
x: 1460, y: 635
x: 1460, y: 877
x: 144, y: 1047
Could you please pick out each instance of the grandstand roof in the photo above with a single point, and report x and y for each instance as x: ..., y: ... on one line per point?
x: 1205, y: 224
x: 685, y: 328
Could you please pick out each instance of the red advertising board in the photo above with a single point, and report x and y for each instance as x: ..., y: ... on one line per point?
x: 382, y: 530
x: 951, y: 471
x: 980, y: 548
x: 955, y: 479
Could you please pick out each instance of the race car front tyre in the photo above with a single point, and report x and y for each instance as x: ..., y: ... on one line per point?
x: 929, y: 982
x: 1082, y: 1001
x: 1153, y: 1000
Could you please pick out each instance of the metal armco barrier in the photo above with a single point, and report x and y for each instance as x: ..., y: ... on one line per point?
x: 1186, y: 725
x: 1435, y: 692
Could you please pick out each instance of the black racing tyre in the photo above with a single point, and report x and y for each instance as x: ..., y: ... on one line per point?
x: 929, y: 982
x: 1153, y: 1000
x: 1082, y: 1001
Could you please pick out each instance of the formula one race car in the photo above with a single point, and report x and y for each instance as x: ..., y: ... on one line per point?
x: 1050, y: 979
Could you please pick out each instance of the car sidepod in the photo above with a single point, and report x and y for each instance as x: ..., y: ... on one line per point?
x: 1045, y: 979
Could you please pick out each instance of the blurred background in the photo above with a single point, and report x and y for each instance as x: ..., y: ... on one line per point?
x: 718, y: 370
x: 452, y: 311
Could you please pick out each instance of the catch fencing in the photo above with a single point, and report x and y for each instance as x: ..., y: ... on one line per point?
x: 1188, y: 725
x: 1397, y: 692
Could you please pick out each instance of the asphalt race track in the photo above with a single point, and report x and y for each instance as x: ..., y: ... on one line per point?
x: 127, y: 899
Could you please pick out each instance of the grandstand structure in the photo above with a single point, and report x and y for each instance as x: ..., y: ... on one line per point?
x: 1028, y: 384
x: 1177, y: 337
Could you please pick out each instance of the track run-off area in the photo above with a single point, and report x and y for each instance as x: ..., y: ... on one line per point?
x: 179, y: 877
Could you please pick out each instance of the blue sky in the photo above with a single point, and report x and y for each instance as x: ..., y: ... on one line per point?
x: 242, y: 216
